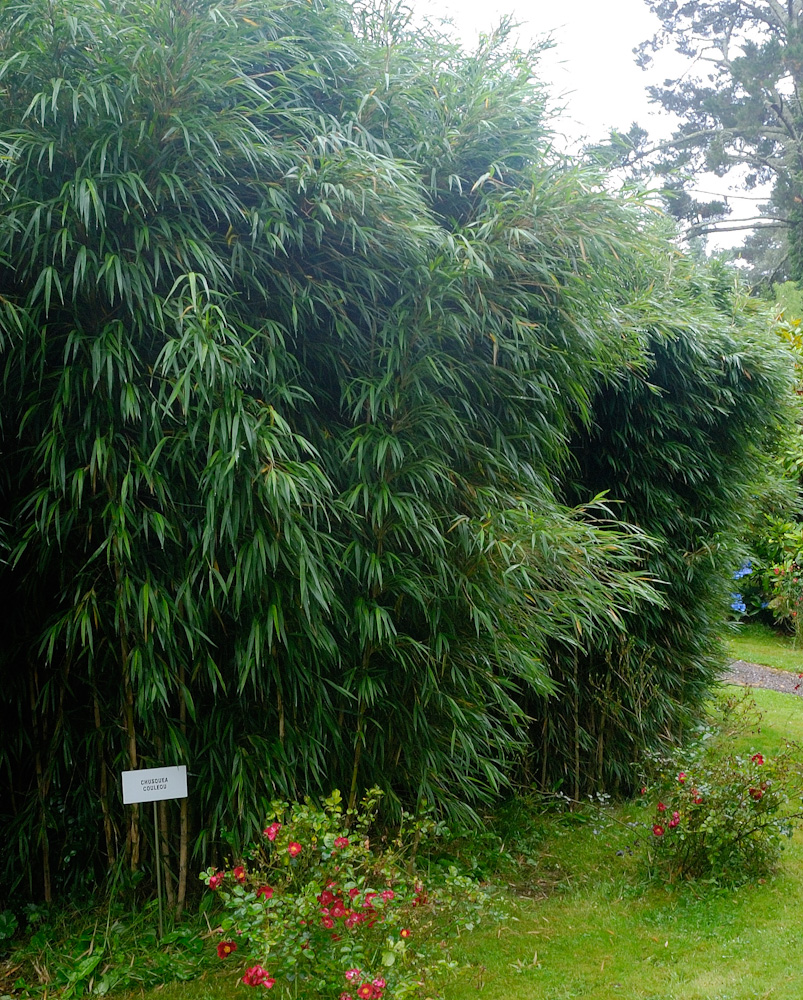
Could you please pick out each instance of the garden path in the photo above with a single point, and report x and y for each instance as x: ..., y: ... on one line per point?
x: 757, y: 675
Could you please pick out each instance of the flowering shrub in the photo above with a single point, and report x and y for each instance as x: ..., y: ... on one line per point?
x: 785, y: 585
x: 737, y: 601
x: 323, y: 915
x: 723, y: 816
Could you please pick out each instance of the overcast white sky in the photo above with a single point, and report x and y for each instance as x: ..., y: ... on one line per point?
x: 591, y: 69
x: 592, y: 64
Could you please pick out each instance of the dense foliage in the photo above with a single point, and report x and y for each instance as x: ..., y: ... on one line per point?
x: 315, y: 363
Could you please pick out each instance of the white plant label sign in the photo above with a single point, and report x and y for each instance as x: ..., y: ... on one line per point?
x: 152, y: 784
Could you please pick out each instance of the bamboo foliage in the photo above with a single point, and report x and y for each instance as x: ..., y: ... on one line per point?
x: 301, y: 327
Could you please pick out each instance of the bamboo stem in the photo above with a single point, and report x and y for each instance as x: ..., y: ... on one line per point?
x: 164, y: 859
x: 133, y: 837
x: 108, y: 829
x: 183, y: 829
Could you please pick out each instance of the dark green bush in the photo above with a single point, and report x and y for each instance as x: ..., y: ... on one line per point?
x: 301, y: 327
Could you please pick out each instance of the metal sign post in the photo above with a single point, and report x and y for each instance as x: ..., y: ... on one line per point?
x: 155, y: 784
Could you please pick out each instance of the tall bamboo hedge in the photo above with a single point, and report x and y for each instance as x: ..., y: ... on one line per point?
x: 317, y: 365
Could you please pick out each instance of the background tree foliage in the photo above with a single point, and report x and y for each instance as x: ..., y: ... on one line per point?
x: 739, y: 105
x: 315, y: 364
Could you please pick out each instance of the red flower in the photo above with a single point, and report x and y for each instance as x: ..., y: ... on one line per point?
x: 352, y: 920
x: 215, y: 881
x: 271, y: 831
x: 757, y: 758
x: 294, y: 848
x: 673, y: 823
x: 327, y: 922
x: 354, y: 892
x: 757, y: 794
x: 388, y: 894
x: 404, y: 933
x: 341, y: 841
x: 661, y: 807
x: 365, y: 991
x: 420, y: 895
x: 266, y: 891
x: 682, y: 777
x: 239, y: 873
x: 225, y: 948
x: 658, y: 830
x: 326, y: 898
x: 643, y: 789
x: 338, y: 910
x: 257, y: 976
x: 698, y: 799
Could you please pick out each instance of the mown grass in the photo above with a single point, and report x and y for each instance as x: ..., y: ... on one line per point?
x: 758, y: 643
x: 606, y: 932
x: 584, y: 921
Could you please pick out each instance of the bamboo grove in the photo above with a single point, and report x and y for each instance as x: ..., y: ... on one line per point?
x: 350, y: 436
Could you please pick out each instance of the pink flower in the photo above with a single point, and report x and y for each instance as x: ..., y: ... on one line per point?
x: 341, y: 841
x: 271, y: 831
x: 225, y: 948
x: 661, y: 807
x: 388, y: 894
x: 353, y: 974
x: 327, y: 922
x: 379, y: 984
x: 344, y: 996
x: 266, y: 891
x: 257, y: 976
x: 757, y: 758
x: 215, y: 881
x: 239, y: 873
x: 294, y: 848
x: 352, y: 920
x: 658, y: 830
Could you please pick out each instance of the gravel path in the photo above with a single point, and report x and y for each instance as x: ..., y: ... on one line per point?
x: 756, y: 675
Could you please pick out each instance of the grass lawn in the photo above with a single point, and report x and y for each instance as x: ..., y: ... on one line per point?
x: 604, y: 933
x: 584, y: 922
x: 761, y: 644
